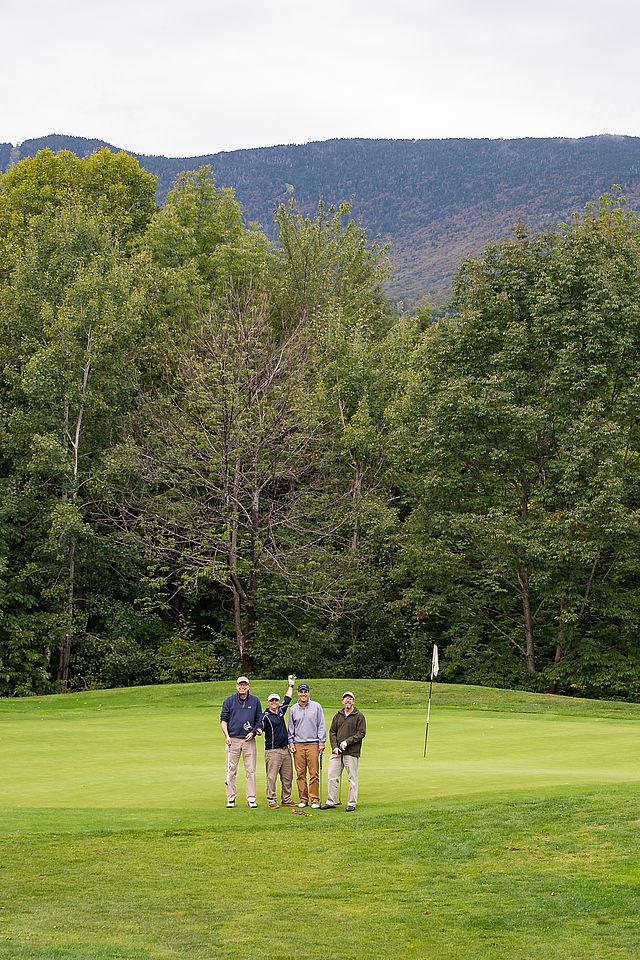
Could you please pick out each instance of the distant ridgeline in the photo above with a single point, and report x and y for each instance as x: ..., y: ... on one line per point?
x: 436, y: 201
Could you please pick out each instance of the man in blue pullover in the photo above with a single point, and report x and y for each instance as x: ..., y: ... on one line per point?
x: 277, y: 758
x: 239, y: 716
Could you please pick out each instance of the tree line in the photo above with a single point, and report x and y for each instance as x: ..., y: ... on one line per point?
x: 220, y: 452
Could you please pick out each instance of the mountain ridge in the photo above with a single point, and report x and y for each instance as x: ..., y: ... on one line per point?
x: 435, y: 201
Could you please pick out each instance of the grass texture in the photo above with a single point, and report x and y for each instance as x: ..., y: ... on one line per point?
x: 516, y: 838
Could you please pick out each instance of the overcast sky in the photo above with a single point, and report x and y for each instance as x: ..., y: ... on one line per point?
x: 193, y: 77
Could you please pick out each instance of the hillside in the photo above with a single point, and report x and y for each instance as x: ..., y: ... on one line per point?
x: 436, y: 201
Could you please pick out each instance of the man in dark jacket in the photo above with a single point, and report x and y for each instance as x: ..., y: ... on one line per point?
x: 277, y: 758
x: 346, y: 733
x: 239, y: 715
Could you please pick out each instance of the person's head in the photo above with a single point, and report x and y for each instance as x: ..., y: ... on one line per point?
x: 242, y: 686
x: 273, y: 702
x: 303, y: 694
x: 348, y: 701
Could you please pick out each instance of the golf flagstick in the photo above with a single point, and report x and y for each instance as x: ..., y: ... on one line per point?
x: 320, y: 789
x: 434, y: 673
x: 226, y: 757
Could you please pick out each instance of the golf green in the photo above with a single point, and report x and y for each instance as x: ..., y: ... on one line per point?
x: 517, y: 836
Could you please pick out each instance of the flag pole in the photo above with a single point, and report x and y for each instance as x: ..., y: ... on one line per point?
x: 434, y: 673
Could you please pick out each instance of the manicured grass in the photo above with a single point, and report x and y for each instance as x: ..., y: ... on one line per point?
x: 516, y: 838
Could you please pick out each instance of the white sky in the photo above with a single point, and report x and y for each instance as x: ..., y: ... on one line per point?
x: 193, y: 77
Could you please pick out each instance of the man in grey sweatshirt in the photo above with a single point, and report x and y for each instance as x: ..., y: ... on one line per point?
x: 307, y: 736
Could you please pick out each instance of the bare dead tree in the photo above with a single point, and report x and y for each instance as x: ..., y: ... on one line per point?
x: 234, y: 478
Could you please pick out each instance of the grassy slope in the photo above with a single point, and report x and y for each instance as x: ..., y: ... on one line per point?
x: 517, y: 837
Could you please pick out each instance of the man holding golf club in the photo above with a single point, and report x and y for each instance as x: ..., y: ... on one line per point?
x: 277, y: 758
x: 239, y: 716
x: 346, y: 733
x: 307, y: 736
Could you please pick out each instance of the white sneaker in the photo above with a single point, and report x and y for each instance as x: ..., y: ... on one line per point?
x: 231, y: 803
x: 315, y: 806
x: 252, y: 804
x: 302, y: 803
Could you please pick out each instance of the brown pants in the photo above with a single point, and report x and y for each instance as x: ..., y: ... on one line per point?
x: 307, y: 757
x: 278, y: 761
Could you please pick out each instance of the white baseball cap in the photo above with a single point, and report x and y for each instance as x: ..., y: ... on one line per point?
x: 273, y: 696
x: 242, y: 680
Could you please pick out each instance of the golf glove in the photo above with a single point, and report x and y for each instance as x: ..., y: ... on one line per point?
x: 292, y: 679
x: 343, y: 745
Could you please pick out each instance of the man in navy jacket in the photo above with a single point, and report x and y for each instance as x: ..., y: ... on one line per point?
x: 277, y: 758
x: 239, y: 716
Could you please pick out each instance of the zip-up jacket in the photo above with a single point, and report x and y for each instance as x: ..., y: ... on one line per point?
x: 275, y: 729
x: 241, y: 716
x: 351, y: 728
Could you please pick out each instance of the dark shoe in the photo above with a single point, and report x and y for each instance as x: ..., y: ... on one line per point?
x: 350, y: 809
x: 289, y: 803
x: 328, y: 806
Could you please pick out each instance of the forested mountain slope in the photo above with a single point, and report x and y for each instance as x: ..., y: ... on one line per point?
x: 436, y: 201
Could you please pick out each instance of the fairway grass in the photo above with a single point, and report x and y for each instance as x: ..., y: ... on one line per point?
x: 516, y: 839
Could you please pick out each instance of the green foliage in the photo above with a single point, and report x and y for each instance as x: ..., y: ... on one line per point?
x: 200, y: 247
x: 112, y: 186
x: 183, y: 659
x: 209, y: 440
x: 328, y: 262
x: 72, y: 343
x: 518, y: 444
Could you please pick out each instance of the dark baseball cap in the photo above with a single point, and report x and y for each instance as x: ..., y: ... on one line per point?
x: 303, y: 686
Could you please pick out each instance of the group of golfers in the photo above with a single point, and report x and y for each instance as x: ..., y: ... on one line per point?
x: 302, y: 739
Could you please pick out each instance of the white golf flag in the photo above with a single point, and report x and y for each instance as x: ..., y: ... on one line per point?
x: 434, y: 662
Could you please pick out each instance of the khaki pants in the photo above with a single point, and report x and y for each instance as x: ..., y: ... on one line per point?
x: 248, y: 750
x: 336, y: 765
x: 278, y: 761
x: 307, y: 757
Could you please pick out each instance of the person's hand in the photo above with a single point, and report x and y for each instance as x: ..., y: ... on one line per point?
x: 336, y: 751
x: 321, y: 748
x: 343, y: 745
x: 259, y: 733
x: 249, y: 736
x: 291, y: 679
x: 227, y: 740
x: 292, y: 748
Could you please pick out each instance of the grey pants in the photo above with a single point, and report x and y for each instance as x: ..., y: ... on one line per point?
x: 336, y: 765
x: 278, y: 761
